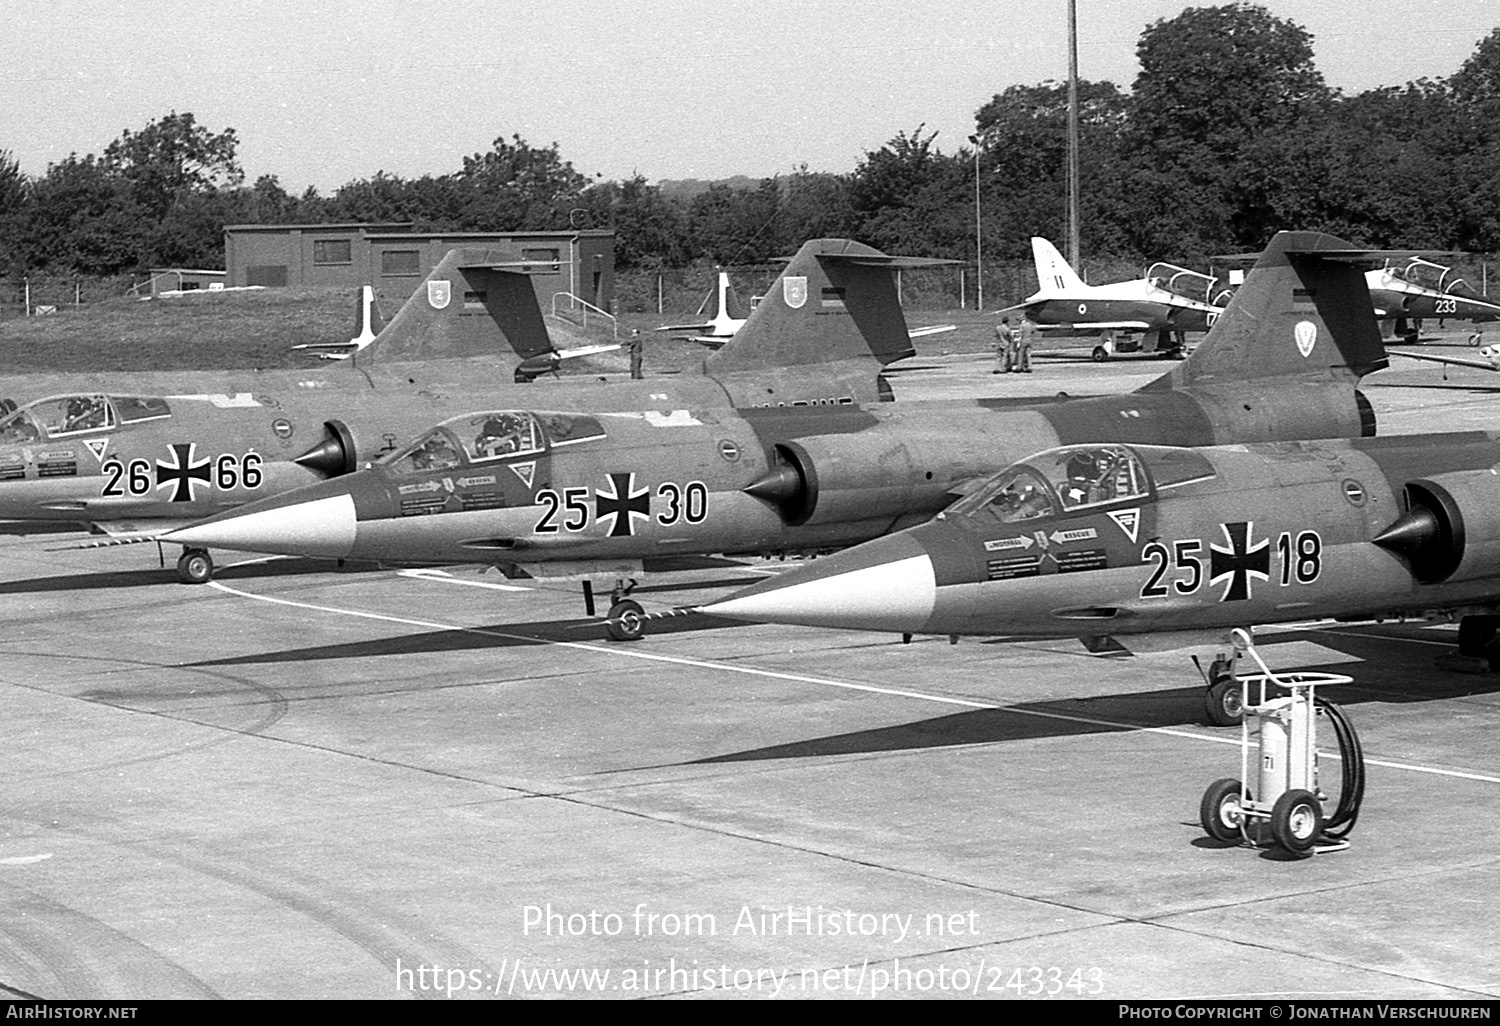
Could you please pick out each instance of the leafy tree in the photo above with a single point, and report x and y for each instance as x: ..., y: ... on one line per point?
x: 172, y: 157
x: 1214, y: 81
x: 912, y: 199
x: 515, y: 185
x: 84, y: 219
x: 13, y: 190
x: 649, y: 230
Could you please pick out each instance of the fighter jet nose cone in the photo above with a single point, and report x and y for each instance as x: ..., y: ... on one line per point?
x: 896, y: 595
x: 318, y: 527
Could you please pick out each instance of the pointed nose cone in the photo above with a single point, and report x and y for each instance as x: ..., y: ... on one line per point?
x: 315, y: 521
x: 887, y: 584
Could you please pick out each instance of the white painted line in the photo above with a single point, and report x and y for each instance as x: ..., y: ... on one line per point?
x: 441, y: 577
x: 800, y: 678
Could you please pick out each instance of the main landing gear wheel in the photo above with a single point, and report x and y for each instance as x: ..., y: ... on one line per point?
x: 626, y: 621
x: 195, y: 566
x: 1219, y: 812
x: 1100, y: 354
x: 1297, y: 821
x: 1221, y: 702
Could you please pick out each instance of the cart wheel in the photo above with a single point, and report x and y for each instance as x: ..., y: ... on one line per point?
x: 1219, y: 812
x: 1221, y: 703
x: 1297, y: 821
x: 625, y: 621
x: 195, y: 566
x: 1100, y: 354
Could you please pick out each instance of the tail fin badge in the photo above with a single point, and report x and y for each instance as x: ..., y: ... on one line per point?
x: 794, y: 291
x: 1306, y: 334
x: 439, y: 293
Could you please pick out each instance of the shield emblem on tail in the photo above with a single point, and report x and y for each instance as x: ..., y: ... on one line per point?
x: 1306, y: 333
x: 794, y: 291
x: 439, y: 294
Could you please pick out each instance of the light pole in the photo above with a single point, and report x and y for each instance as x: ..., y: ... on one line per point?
x: 978, y: 234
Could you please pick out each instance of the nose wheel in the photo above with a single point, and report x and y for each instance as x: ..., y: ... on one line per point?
x: 194, y: 566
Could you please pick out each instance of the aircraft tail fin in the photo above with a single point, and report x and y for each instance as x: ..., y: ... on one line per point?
x: 367, y: 326
x: 729, y: 302
x: 1053, y: 273
x: 836, y: 300
x: 475, y: 302
x: 1304, y: 309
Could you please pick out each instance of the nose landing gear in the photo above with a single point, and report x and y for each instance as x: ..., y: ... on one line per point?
x: 195, y: 566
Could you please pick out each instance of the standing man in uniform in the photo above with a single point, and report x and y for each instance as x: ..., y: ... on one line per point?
x: 634, y: 346
x: 1005, y: 347
x: 1025, y: 336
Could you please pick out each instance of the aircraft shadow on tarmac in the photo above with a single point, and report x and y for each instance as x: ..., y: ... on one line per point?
x: 477, y: 638
x: 167, y: 576
x: 1377, y: 678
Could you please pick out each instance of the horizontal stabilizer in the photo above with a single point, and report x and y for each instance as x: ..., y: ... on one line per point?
x: 933, y: 329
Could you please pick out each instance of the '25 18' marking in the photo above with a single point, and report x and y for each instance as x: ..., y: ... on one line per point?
x: 1299, y: 559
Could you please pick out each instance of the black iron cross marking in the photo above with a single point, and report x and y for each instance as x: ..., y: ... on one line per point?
x: 184, y: 473
x: 621, y: 503
x: 1239, y: 561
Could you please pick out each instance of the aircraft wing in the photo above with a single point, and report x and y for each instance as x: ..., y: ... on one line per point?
x: 706, y: 326
x: 935, y: 329
x: 1490, y: 365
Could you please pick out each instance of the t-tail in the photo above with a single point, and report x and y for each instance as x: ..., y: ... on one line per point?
x: 835, y: 307
x: 1303, y: 312
x: 476, y: 302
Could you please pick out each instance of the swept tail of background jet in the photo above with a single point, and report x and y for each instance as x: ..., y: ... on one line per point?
x: 1053, y: 273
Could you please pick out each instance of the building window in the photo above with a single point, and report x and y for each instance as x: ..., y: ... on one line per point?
x: 400, y: 261
x: 332, y: 251
x: 548, y: 255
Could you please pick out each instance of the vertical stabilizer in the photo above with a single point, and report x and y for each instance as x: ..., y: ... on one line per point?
x: 1304, y: 310
x: 1053, y: 273
x: 835, y: 301
x: 729, y: 303
x: 476, y: 302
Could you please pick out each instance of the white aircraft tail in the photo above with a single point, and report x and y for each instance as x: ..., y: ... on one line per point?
x: 367, y: 324
x: 1053, y: 273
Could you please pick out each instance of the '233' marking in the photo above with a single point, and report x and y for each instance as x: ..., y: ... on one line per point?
x: 229, y: 472
x: 687, y: 504
x: 1300, y: 559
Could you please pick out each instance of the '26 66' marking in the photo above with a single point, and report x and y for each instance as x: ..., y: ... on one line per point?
x: 140, y: 477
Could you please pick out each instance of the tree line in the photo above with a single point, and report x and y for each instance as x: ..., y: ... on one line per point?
x: 1228, y: 134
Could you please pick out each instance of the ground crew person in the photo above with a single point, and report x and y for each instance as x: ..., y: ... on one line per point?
x: 634, y: 346
x: 1024, y: 338
x: 1005, y: 347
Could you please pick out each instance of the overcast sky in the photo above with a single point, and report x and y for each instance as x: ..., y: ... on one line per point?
x: 323, y: 93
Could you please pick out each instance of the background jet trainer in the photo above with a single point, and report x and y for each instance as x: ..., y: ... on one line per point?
x: 111, y: 450
x: 606, y: 494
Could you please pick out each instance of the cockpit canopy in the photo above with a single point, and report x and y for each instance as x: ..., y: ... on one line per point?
x: 487, y: 437
x: 1182, y: 282
x: 61, y: 416
x: 1078, y: 478
x: 1428, y: 275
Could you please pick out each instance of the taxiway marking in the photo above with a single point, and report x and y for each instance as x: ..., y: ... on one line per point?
x: 800, y: 678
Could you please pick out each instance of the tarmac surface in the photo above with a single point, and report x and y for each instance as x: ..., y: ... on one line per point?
x: 300, y: 781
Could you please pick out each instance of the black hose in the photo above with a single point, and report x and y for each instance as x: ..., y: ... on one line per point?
x: 1352, y: 791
